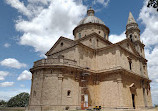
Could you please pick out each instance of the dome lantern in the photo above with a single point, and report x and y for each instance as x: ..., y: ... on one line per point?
x: 90, y: 12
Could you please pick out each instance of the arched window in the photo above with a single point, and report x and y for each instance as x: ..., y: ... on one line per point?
x: 79, y: 35
x: 131, y: 37
x: 130, y: 65
x: 104, y: 35
x: 97, y: 42
x: 68, y: 93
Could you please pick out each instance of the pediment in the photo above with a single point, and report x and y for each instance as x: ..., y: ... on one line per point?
x: 126, y: 44
x: 61, y: 44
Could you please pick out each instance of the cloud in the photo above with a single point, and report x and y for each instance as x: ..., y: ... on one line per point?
x: 46, y: 20
x: 6, y: 84
x: 25, y: 75
x: 116, y: 38
x: 22, y: 85
x: 104, y: 2
x: 19, y: 6
x: 7, y: 94
x: 13, y: 63
x: 148, y: 17
x: 7, y: 45
x: 3, y: 74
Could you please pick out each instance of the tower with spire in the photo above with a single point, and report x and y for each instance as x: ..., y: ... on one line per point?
x: 132, y: 29
x: 133, y: 33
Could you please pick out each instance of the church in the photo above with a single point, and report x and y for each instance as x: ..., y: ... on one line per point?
x: 91, y: 71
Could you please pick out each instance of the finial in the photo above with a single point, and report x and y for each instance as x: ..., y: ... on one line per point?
x: 90, y: 11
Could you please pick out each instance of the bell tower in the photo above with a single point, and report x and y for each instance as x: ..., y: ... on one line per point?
x: 132, y: 29
x: 133, y: 33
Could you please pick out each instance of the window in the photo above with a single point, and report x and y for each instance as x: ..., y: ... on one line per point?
x: 104, y: 35
x: 61, y: 44
x: 131, y: 37
x: 79, y: 35
x: 97, y: 42
x: 99, y: 32
x: 130, y: 64
x: 144, y: 68
x: 68, y: 93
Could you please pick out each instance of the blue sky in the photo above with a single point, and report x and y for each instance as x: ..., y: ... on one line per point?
x: 29, y: 28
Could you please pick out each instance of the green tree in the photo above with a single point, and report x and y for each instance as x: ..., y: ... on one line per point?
x: 153, y: 3
x: 3, y: 103
x: 20, y: 100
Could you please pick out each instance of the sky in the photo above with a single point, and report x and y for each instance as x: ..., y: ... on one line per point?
x: 29, y: 28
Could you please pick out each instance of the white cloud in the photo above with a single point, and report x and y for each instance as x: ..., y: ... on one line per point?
x: 149, y: 16
x: 7, y: 94
x: 47, y: 22
x: 3, y: 74
x: 13, y: 63
x: 7, y: 45
x: 104, y: 2
x: 22, y: 85
x: 25, y: 75
x: 116, y: 38
x: 6, y: 84
x: 19, y: 6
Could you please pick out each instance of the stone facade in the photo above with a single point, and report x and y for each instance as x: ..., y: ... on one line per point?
x: 108, y: 75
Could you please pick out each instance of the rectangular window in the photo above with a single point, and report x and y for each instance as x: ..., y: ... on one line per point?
x: 104, y: 35
x: 79, y: 35
x: 130, y: 65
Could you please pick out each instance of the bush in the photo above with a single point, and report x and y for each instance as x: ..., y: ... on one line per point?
x: 20, y: 100
x: 3, y: 103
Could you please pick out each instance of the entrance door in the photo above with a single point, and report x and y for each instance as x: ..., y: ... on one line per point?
x: 133, y: 100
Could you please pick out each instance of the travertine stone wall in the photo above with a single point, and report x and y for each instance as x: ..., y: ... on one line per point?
x: 54, y: 86
x: 36, y: 87
x: 105, y: 90
x: 94, y: 43
x: 139, y: 97
x: 107, y: 58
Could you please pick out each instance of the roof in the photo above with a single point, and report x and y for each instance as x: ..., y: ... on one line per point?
x: 91, y: 18
x: 130, y: 19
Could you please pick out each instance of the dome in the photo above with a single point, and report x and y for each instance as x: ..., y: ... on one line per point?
x: 91, y: 18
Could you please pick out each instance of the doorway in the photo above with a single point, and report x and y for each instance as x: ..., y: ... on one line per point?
x: 133, y: 100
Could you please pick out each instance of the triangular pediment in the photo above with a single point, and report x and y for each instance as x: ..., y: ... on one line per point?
x: 61, y: 44
x: 126, y: 44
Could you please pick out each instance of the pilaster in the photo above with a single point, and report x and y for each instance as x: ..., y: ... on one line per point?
x: 120, y: 91
x: 60, y: 80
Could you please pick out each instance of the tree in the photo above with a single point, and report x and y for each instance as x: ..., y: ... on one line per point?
x: 20, y: 100
x: 153, y: 3
x: 2, y: 103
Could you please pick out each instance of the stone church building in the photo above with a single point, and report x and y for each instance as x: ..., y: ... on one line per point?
x: 91, y: 71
